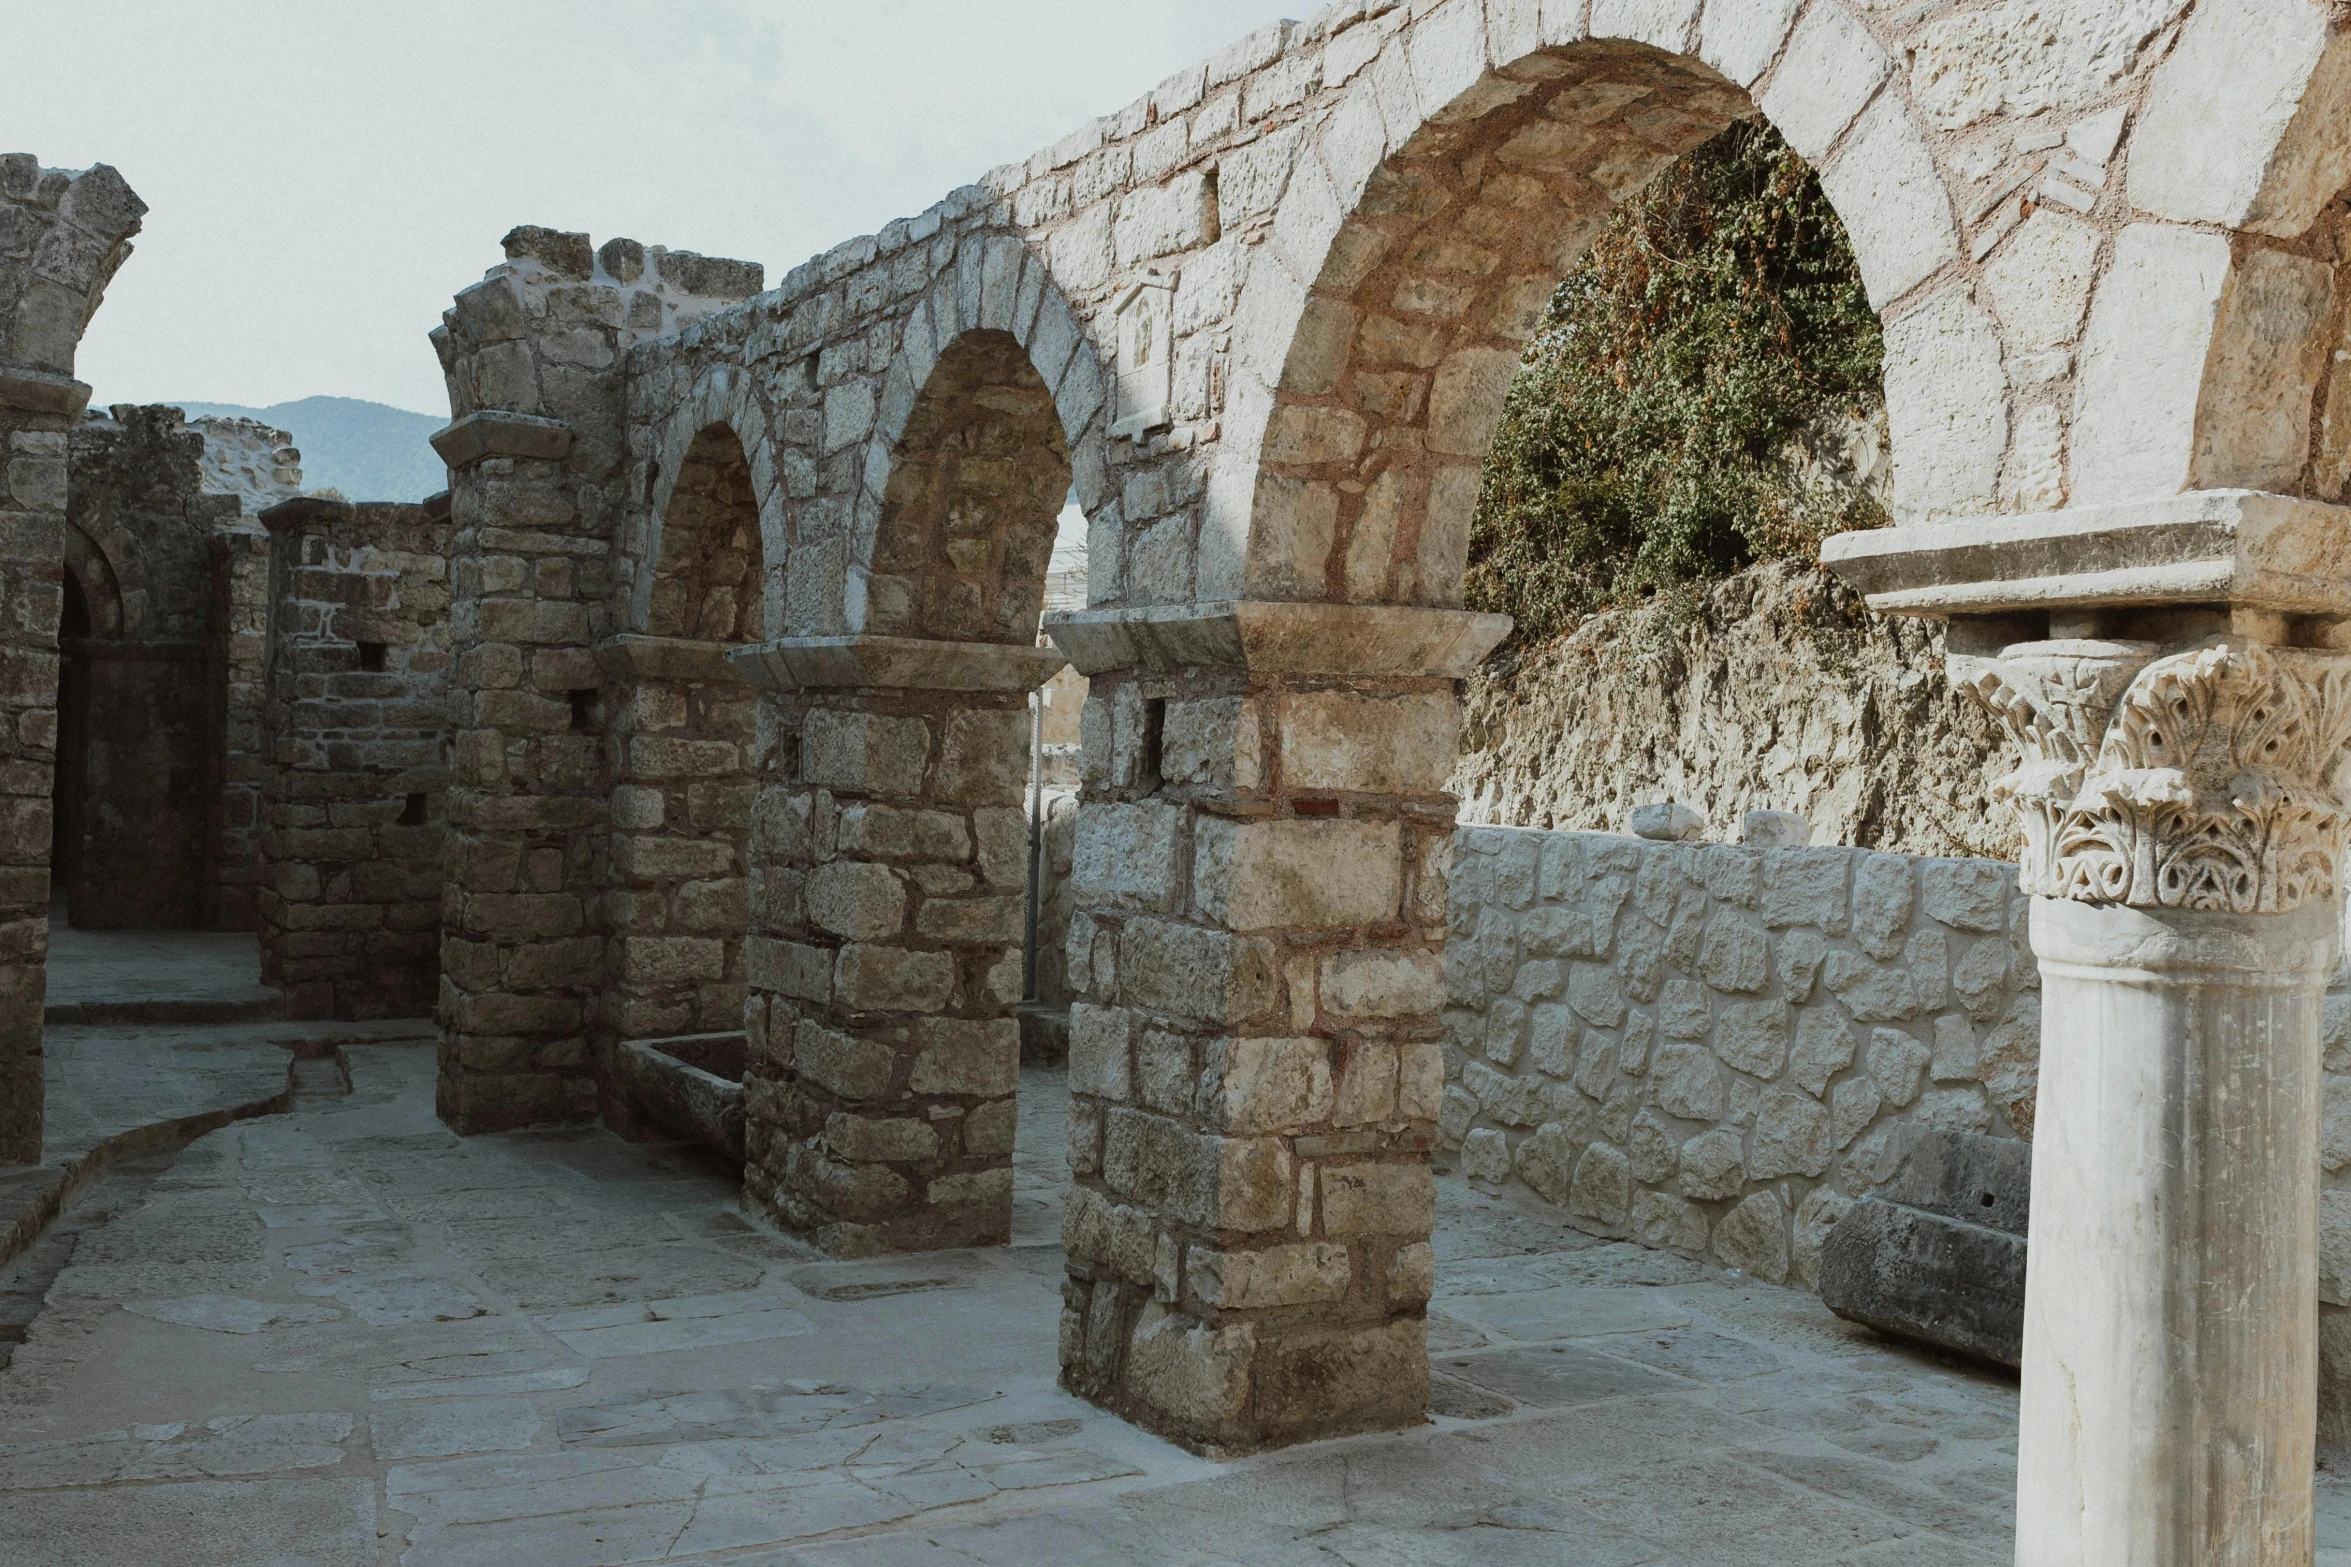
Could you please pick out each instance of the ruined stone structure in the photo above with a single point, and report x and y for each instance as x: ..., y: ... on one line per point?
x: 1273, y: 308
x: 159, y: 739
x: 62, y: 236
x: 1260, y: 323
x: 355, y: 766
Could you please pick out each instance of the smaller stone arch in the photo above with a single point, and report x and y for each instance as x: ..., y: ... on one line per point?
x: 719, y: 435
x: 705, y: 583
x: 996, y: 389
x: 93, y: 575
x: 682, y: 751
x: 970, y: 507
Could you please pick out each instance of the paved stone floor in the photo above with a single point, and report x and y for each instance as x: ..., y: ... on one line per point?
x: 341, y: 1336
x: 90, y: 970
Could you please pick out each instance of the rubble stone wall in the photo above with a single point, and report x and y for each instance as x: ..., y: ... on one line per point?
x: 1712, y: 1050
x: 356, y: 730
x: 1706, y: 1047
x: 159, y: 762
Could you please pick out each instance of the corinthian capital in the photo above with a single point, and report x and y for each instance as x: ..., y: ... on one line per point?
x: 2209, y: 778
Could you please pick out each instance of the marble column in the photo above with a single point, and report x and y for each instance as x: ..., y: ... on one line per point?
x: 2175, y: 675
x: 2183, y: 842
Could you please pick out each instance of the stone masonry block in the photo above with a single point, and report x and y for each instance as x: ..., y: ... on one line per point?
x: 1310, y: 874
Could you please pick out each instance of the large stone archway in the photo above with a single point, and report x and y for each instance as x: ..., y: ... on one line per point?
x: 62, y: 237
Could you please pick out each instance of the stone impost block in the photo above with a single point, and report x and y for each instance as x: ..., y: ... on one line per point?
x: 637, y: 657
x: 42, y: 392
x: 894, y: 663
x: 1279, y: 639
x: 496, y: 433
x: 2236, y: 547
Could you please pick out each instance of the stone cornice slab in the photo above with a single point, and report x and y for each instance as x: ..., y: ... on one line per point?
x: 42, y: 391
x: 895, y: 663
x: 494, y: 432
x: 2243, y: 548
x: 1267, y: 638
x: 635, y: 656
x: 304, y: 511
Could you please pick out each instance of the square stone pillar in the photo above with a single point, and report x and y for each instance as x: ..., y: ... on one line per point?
x: 890, y: 864
x: 1262, y: 859
x: 37, y: 410
x: 681, y: 750
x: 522, y: 942
x: 2175, y: 675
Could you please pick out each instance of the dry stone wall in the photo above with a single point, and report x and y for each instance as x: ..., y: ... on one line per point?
x: 1715, y: 1050
x: 1773, y: 690
x: 356, y: 731
x: 1707, y: 1047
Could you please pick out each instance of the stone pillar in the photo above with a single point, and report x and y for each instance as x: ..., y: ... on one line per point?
x: 65, y: 234
x: 682, y: 760
x: 1260, y: 875
x: 890, y: 865
x: 2171, y: 1292
x: 2183, y: 821
x: 541, y: 488
x: 36, y: 411
x: 521, y: 906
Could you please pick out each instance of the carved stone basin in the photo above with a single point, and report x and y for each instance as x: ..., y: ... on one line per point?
x: 690, y: 1085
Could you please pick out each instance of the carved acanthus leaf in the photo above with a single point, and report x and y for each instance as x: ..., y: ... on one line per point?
x: 2208, y: 779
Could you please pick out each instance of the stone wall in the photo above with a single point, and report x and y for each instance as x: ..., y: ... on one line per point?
x: 158, y: 770
x: 1713, y: 1050
x: 356, y: 729
x: 1706, y: 1047
x: 1771, y: 690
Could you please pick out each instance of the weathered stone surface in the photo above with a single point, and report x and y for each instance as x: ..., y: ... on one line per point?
x: 1938, y: 1253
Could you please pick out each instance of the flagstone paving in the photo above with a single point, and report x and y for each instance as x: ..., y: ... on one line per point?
x: 343, y: 1336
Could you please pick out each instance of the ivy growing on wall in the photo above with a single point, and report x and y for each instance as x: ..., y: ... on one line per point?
x: 1666, y: 425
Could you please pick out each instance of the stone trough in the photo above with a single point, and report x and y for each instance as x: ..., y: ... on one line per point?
x: 690, y: 1085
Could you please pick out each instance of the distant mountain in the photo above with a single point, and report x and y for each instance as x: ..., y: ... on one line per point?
x: 366, y: 451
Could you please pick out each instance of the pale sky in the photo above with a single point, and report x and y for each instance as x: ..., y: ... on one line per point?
x: 322, y: 175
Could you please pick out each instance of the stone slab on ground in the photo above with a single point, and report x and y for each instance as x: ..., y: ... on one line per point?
x: 398, y: 1402
x: 1939, y: 1254
x: 156, y: 976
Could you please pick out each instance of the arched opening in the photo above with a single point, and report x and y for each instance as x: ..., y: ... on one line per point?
x: 887, y: 1114
x: 1378, y: 333
x: 969, y: 510
x: 681, y: 735
x: 70, y: 783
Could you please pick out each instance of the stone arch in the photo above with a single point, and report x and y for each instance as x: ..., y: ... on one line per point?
x: 705, y: 582
x: 968, y: 512
x: 1427, y: 224
x: 2208, y: 355
x: 93, y: 573
x: 993, y: 369
x: 718, y: 435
